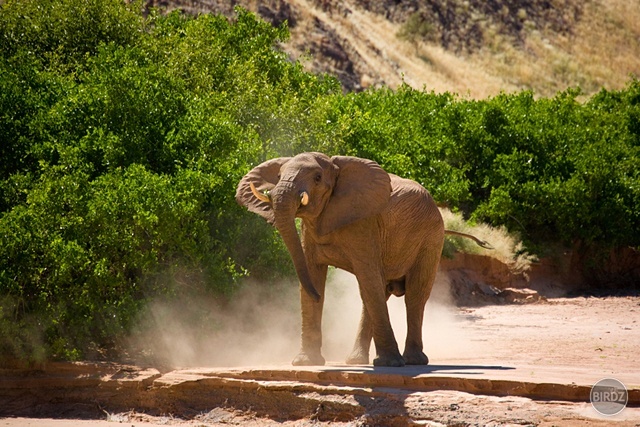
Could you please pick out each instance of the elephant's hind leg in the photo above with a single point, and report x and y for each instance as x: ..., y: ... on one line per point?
x: 418, y: 288
x: 360, y: 353
x: 378, y: 328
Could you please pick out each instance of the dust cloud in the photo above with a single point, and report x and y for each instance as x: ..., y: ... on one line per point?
x: 261, y: 326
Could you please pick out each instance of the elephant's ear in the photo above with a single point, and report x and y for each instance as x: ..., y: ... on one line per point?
x: 264, y: 177
x: 362, y: 190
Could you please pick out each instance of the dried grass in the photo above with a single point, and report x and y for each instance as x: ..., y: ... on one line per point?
x: 507, y: 247
x: 600, y: 48
x: 602, y: 51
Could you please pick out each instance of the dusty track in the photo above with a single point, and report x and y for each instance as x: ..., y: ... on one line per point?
x: 531, y: 364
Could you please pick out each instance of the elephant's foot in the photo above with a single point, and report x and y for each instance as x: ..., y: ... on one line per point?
x: 358, y: 357
x: 415, y: 358
x: 308, y: 359
x: 394, y: 360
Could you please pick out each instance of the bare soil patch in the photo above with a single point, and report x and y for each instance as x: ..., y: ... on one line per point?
x: 525, y: 365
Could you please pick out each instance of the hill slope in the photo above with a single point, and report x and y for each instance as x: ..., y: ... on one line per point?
x: 471, y: 47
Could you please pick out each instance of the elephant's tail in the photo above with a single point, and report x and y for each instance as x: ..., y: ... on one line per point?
x: 482, y: 243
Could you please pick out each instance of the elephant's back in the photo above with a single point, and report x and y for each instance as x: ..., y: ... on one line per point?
x: 412, y: 216
x: 411, y: 200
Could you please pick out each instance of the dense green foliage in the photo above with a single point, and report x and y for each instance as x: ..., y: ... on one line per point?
x: 123, y: 137
x: 553, y: 169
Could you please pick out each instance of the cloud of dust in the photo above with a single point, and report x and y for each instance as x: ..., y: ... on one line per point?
x: 261, y: 326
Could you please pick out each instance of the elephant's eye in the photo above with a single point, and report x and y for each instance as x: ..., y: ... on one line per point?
x: 318, y: 178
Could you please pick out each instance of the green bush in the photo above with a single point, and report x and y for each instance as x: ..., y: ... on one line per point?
x: 550, y: 169
x: 122, y: 146
x: 416, y: 28
x: 566, y: 171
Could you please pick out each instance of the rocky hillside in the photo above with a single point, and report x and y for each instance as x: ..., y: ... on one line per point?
x: 475, y: 48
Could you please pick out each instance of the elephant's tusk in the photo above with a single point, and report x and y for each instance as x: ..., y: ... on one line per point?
x: 259, y: 195
x: 304, y: 198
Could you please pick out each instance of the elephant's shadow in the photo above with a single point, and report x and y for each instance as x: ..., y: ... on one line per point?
x: 392, y: 406
x: 441, y: 369
x: 416, y: 370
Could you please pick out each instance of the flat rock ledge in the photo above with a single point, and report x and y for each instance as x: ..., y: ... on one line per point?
x: 329, y: 393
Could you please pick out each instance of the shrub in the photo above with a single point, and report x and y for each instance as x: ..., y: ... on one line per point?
x: 121, y: 163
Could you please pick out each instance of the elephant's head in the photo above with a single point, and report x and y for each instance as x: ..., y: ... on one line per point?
x: 327, y: 193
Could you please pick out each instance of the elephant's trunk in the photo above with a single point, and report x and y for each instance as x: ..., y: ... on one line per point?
x: 285, y: 205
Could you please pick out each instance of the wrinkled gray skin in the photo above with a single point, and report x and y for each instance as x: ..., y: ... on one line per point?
x: 384, y: 229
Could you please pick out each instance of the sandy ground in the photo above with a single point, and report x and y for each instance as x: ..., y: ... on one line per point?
x: 601, y: 334
x: 574, y: 340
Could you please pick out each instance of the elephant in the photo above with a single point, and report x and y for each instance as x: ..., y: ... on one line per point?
x: 384, y: 229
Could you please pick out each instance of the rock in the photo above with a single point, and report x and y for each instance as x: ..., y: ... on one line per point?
x: 520, y: 296
x: 478, y: 280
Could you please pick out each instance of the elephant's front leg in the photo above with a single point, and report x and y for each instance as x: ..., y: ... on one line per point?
x: 376, y: 319
x: 311, y: 338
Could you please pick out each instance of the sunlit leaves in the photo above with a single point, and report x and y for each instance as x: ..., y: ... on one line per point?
x: 123, y: 140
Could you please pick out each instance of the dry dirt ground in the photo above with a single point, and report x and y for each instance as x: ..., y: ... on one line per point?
x: 508, y: 365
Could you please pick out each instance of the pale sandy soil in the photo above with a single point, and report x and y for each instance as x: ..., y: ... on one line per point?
x: 573, y: 340
x: 600, y: 334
